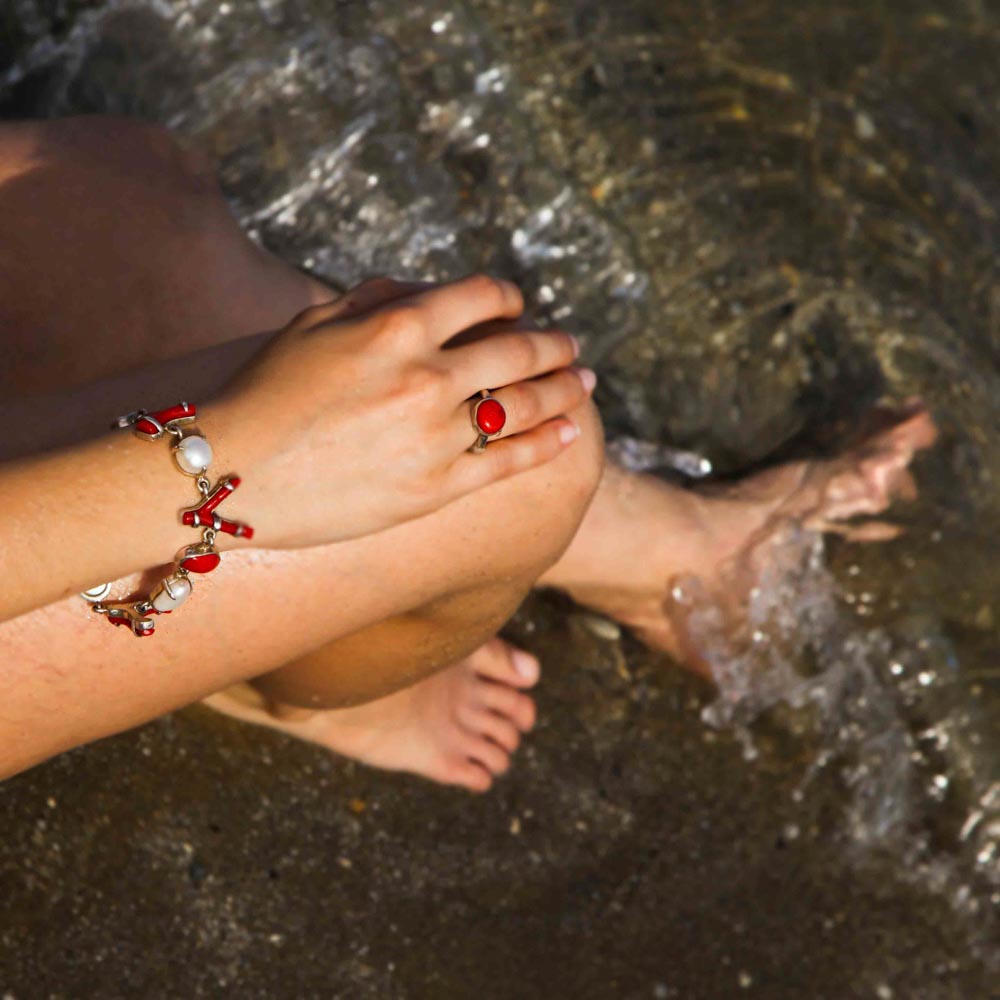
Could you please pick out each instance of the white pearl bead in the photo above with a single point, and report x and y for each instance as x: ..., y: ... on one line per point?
x: 171, y: 593
x: 193, y: 455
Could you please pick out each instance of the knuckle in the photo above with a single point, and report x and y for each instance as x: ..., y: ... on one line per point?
x: 524, y: 348
x: 504, y: 460
x: 415, y: 480
x: 498, y: 292
x: 425, y: 383
x: 309, y: 316
x: 485, y: 286
x: 520, y: 454
x: 570, y: 387
x: 525, y: 409
x: 427, y: 489
x: 376, y: 286
x: 401, y: 326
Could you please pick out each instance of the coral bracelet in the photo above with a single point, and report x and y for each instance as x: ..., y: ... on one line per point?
x: 192, y: 455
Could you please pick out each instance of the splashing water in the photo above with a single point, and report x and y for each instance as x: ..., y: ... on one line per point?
x: 734, y: 234
x: 865, y: 690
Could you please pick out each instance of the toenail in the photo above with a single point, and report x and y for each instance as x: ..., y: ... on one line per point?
x: 525, y: 664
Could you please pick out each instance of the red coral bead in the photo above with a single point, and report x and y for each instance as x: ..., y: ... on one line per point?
x: 490, y: 416
x: 201, y: 562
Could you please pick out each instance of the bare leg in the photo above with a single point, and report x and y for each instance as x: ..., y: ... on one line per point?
x: 458, y: 726
x: 119, y: 250
x: 638, y: 537
x: 348, y: 623
x: 722, y: 535
x: 405, y: 603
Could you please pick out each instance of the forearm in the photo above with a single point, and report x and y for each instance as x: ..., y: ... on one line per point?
x: 92, y: 512
x: 67, y: 677
x: 104, y: 504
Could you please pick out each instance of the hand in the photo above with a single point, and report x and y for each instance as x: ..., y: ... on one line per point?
x: 356, y: 417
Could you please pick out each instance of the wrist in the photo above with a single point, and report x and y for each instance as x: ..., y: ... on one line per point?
x: 240, y: 445
x: 184, y: 431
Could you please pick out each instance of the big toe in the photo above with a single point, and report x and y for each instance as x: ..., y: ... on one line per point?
x: 503, y: 662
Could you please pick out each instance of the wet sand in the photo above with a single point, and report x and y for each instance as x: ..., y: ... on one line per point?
x: 630, y: 854
x: 760, y: 219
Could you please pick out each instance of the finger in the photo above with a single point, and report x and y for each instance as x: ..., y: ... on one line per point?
x: 448, y: 309
x: 510, y: 357
x: 529, y: 404
x: 510, y: 456
x: 491, y: 329
x: 368, y: 295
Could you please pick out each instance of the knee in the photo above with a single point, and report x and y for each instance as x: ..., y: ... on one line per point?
x: 543, y: 508
x: 141, y: 162
x: 575, y: 477
x: 153, y: 149
x: 585, y: 460
x: 184, y: 205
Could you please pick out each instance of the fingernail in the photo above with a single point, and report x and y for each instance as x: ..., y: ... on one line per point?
x: 587, y: 377
x: 569, y: 432
x: 576, y: 345
x: 525, y: 664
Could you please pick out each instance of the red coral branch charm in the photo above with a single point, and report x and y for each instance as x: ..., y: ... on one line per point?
x: 128, y: 615
x: 203, y: 515
x: 192, y: 455
x: 153, y: 426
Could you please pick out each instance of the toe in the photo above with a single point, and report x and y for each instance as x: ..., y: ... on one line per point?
x: 877, y: 474
x: 916, y: 432
x: 505, y: 701
x: 871, y: 531
x: 906, y: 486
x: 497, y: 727
x: 500, y: 661
x: 494, y: 758
x: 466, y: 774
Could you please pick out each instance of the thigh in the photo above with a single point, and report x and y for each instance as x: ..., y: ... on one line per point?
x: 120, y: 250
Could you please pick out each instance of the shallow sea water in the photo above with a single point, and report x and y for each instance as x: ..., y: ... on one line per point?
x: 761, y: 217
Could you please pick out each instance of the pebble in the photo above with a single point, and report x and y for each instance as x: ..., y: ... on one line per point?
x: 598, y: 625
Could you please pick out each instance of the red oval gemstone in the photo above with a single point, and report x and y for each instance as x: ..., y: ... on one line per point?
x: 490, y: 416
x: 203, y: 562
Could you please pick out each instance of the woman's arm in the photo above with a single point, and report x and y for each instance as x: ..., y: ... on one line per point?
x: 93, y: 512
x: 349, y: 421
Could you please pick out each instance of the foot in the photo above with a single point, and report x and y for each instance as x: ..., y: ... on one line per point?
x: 457, y: 727
x: 642, y: 535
